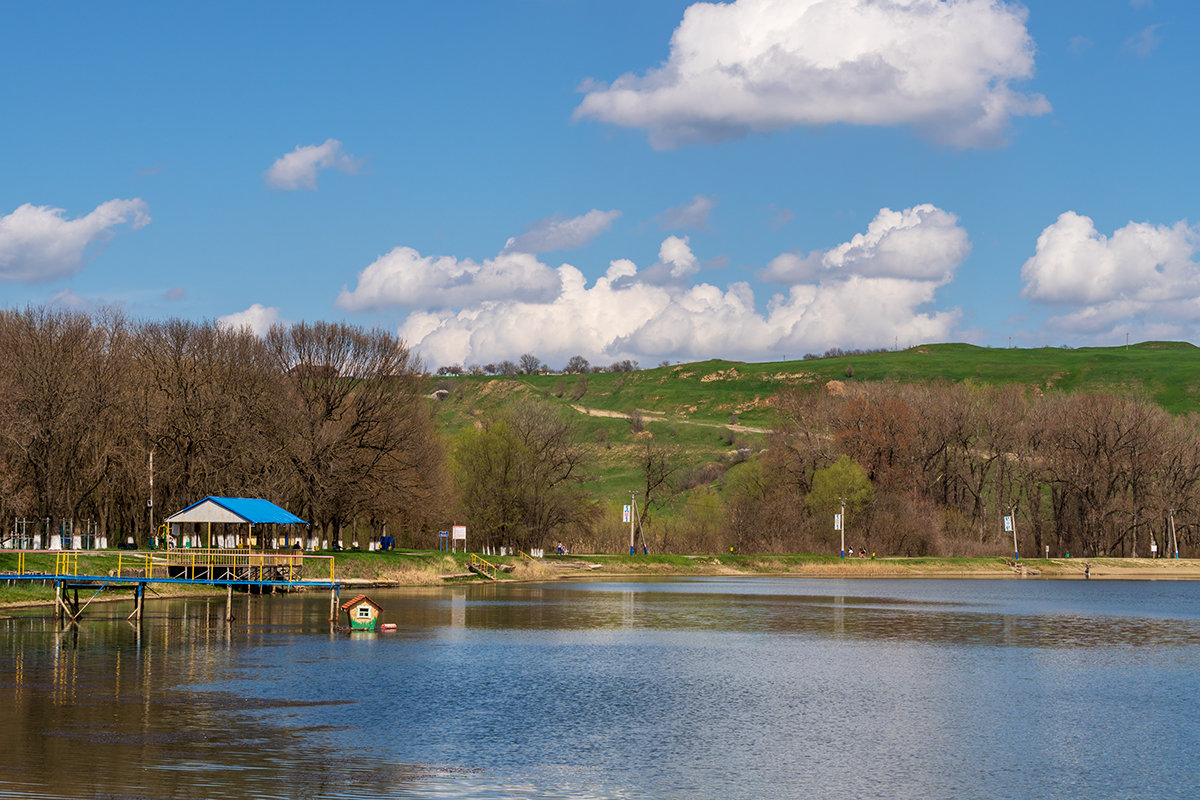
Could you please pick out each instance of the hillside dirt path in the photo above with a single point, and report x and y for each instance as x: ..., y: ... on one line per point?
x: 651, y: 416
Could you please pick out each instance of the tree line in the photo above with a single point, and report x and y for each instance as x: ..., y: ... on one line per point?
x: 922, y: 469
x: 529, y: 364
x: 325, y: 419
x: 332, y: 422
x: 935, y: 469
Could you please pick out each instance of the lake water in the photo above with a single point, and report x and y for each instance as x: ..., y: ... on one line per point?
x: 711, y: 688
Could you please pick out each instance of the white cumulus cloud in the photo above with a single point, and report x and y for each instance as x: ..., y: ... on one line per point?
x: 1141, y: 275
x: 870, y: 291
x: 943, y: 66
x: 298, y: 169
x: 258, y: 319
x: 39, y: 243
x: 404, y: 278
x: 676, y: 263
x: 922, y: 243
x: 561, y: 233
x: 1076, y: 264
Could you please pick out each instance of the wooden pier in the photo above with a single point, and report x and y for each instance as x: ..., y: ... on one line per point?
x: 254, y: 572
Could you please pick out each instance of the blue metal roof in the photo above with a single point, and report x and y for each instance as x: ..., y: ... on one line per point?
x: 253, y: 510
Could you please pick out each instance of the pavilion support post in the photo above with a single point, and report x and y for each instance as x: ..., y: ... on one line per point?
x: 136, y: 615
x: 333, y: 605
x: 229, y: 602
x: 62, y: 607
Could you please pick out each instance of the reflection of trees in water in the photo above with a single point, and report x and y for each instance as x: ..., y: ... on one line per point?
x: 106, y: 708
x: 162, y: 711
x: 867, y: 618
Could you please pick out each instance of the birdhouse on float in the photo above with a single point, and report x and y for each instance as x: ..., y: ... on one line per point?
x: 362, y: 613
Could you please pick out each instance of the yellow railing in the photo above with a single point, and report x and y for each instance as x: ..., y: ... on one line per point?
x: 134, y: 561
x: 525, y: 555
x: 241, y: 564
x: 483, y: 566
x: 232, y: 563
x: 238, y: 564
x: 66, y: 562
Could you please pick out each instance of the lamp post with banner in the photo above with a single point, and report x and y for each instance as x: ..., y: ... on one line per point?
x: 627, y: 516
x: 839, y: 524
x: 1010, y: 524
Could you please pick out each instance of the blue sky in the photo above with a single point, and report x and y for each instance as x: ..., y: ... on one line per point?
x: 654, y: 181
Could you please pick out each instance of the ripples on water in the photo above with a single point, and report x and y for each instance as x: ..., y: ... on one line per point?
x: 720, y: 688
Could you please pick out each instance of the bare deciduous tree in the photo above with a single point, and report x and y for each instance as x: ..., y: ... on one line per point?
x: 520, y: 477
x: 357, y: 431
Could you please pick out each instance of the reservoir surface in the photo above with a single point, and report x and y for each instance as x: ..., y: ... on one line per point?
x: 722, y: 688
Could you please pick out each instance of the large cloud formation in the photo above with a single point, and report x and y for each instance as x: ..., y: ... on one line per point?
x: 38, y: 243
x: 298, y: 169
x: 872, y: 293
x: 942, y: 66
x: 1143, y: 276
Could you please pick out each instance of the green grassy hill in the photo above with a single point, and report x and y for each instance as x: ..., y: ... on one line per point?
x: 709, y: 410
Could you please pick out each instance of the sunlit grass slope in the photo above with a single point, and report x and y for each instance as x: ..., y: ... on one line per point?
x: 708, y: 410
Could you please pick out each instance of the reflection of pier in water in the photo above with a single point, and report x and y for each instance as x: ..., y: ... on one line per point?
x: 251, y: 572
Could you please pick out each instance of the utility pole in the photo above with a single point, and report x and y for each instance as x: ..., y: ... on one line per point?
x: 1174, y: 541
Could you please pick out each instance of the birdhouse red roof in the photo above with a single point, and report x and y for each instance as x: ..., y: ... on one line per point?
x: 362, y: 598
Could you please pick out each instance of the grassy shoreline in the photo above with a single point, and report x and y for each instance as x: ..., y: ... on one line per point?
x: 925, y: 567
x: 357, y: 570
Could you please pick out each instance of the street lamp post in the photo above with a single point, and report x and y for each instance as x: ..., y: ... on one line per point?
x: 1174, y: 541
x: 1012, y: 524
x: 632, y: 518
x: 842, y: 526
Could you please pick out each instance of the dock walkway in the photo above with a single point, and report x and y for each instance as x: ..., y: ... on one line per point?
x: 251, y: 571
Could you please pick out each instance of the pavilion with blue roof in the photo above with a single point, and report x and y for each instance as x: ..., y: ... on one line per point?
x: 239, y: 511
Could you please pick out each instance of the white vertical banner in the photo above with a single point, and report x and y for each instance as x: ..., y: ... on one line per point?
x: 1008, y: 524
x: 625, y: 515
x: 837, y: 522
